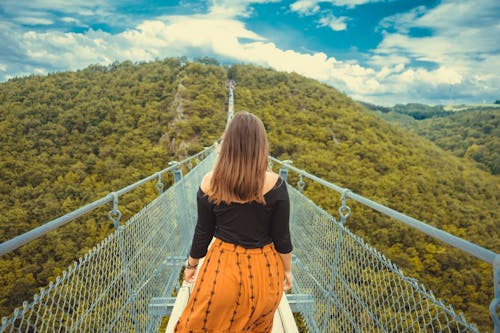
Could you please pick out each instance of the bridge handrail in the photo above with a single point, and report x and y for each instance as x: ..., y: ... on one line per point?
x: 466, y: 246
x: 18, y: 241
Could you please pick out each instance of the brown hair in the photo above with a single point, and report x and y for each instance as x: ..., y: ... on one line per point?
x: 241, y: 167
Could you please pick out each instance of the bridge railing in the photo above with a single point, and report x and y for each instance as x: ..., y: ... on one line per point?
x: 111, y: 287
x: 354, y: 287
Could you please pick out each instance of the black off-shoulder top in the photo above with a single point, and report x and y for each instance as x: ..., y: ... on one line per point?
x: 249, y: 224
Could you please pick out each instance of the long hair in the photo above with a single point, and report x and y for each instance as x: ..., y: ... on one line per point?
x: 241, y: 167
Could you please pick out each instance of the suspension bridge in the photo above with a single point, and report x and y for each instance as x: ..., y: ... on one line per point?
x: 127, y: 282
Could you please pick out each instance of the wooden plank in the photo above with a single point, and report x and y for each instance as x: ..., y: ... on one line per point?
x: 180, y: 303
x: 286, y: 316
x: 277, y: 324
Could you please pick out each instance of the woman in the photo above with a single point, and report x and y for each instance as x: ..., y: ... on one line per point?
x: 246, y: 208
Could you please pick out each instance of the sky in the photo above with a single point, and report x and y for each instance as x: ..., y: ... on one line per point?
x: 384, y: 52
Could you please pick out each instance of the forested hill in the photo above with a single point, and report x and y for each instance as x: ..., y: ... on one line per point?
x: 474, y: 135
x: 70, y: 138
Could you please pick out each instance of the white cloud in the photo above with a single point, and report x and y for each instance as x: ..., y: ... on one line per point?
x: 306, y: 7
x: 442, y: 75
x: 234, y: 8
x: 51, y: 12
x: 388, y: 60
x: 401, y: 21
x: 461, y: 41
x: 34, y: 21
x: 13, y: 8
x: 309, y: 7
x: 335, y: 23
x: 72, y: 20
x: 353, y: 3
x: 461, y: 13
x: 178, y: 35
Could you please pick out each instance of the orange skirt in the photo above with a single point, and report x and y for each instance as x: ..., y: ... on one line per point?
x: 237, y: 290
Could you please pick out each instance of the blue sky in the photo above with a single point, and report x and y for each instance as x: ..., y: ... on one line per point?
x: 379, y: 51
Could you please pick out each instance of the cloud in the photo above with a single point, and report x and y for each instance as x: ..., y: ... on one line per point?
x: 73, y: 20
x: 401, y: 21
x: 335, y: 23
x: 309, y: 7
x: 174, y: 36
x: 34, y: 21
x: 327, y: 19
x: 168, y: 36
x: 234, y: 8
x: 305, y: 7
x: 312, y: 7
x: 80, y: 7
x: 462, y: 45
x: 52, y: 12
x: 353, y: 3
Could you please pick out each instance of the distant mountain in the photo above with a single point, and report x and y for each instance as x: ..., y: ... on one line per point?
x: 414, y: 110
x: 423, y: 111
x: 469, y: 131
x: 70, y: 138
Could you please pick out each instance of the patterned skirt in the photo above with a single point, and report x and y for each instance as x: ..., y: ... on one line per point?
x: 237, y: 290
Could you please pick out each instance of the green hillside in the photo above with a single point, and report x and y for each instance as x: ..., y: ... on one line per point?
x: 70, y: 138
x: 473, y: 134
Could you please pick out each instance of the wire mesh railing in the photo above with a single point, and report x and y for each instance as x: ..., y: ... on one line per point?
x: 110, y: 288
x: 354, y: 287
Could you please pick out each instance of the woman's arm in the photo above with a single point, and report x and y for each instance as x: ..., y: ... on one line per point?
x: 286, y: 258
x: 280, y: 233
x: 203, y: 232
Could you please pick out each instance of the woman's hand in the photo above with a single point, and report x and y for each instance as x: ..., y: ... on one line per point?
x: 190, y: 269
x: 288, y: 280
x: 189, y: 274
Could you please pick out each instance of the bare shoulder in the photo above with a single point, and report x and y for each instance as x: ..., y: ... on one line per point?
x: 270, y: 181
x: 272, y: 176
x: 205, y: 182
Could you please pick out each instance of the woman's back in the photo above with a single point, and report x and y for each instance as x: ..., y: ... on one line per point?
x: 249, y: 224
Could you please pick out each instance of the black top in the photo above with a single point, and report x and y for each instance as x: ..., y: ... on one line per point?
x: 248, y: 224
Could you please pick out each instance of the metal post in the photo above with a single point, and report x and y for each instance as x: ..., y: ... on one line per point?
x: 177, y: 175
x: 495, y: 304
x: 284, y: 171
x: 115, y: 215
x: 159, y: 184
x: 344, y: 210
x: 181, y: 196
x: 230, y: 107
x: 329, y: 287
